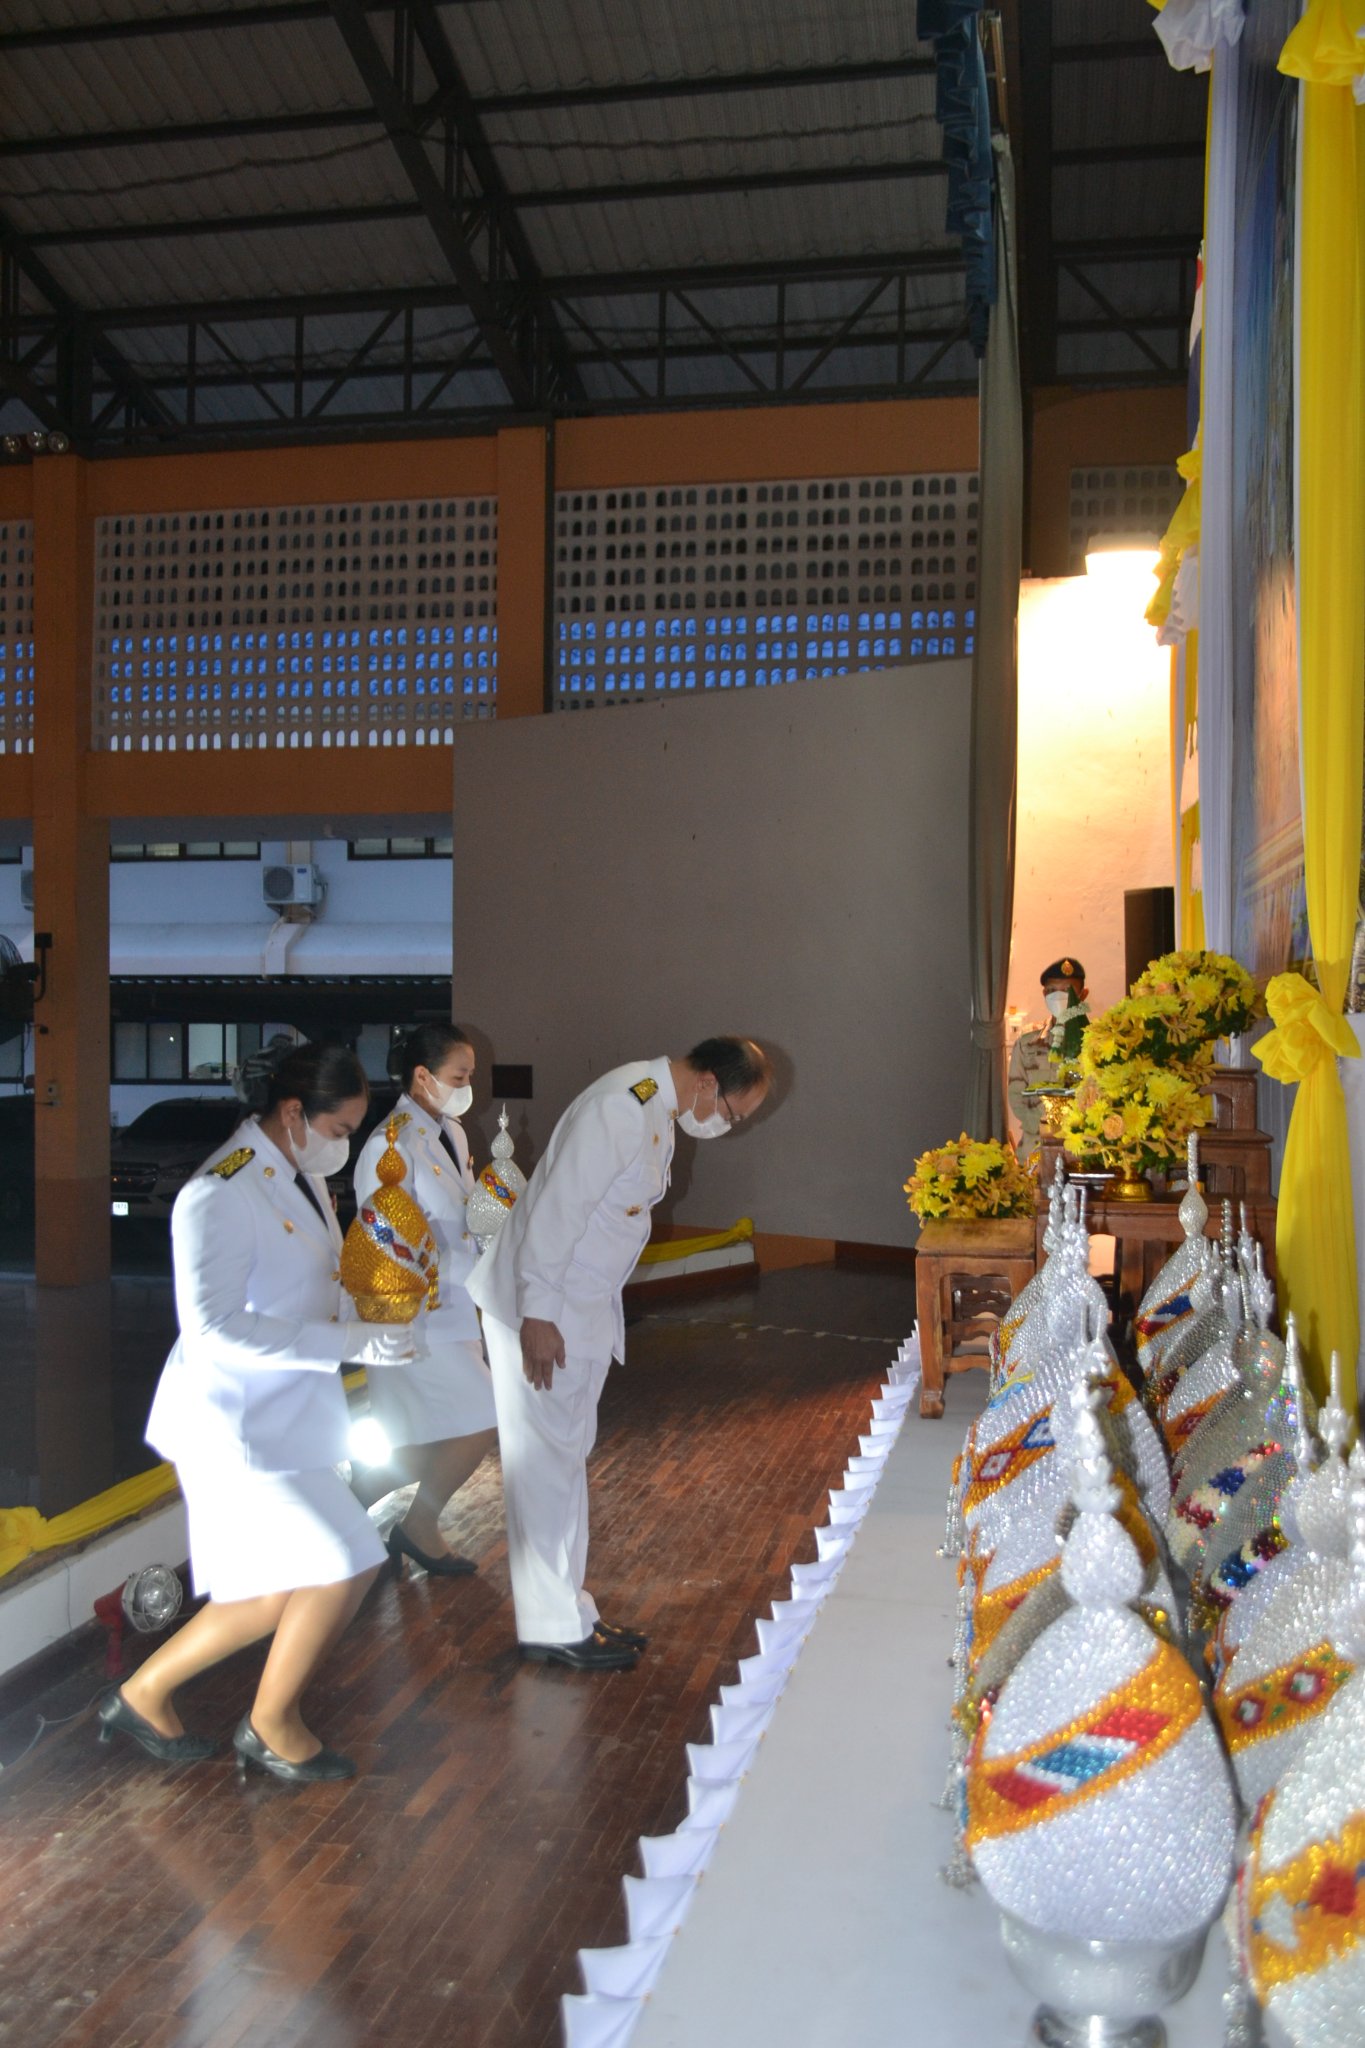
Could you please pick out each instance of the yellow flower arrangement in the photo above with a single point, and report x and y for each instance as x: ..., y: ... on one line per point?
x: 1155, y: 1028
x: 970, y: 1177
x: 1131, y: 1115
x: 1215, y: 989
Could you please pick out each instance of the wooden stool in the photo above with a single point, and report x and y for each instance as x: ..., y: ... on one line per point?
x: 949, y: 1254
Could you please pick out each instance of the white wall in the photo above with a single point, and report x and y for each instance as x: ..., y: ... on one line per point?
x: 786, y: 863
x: 1094, y: 777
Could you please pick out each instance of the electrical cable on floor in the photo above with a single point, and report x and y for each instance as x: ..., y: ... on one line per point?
x: 56, y: 1721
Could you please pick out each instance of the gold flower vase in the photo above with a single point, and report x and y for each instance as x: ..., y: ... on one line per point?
x: 1128, y: 1188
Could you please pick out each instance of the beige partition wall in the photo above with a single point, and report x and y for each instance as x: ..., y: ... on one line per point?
x: 788, y: 862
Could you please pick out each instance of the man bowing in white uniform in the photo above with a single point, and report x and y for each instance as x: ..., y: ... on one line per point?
x: 550, y: 1291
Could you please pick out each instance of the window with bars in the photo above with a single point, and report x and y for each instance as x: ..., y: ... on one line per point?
x: 185, y: 849
x: 372, y: 624
x: 179, y: 1053
x: 728, y: 586
x: 438, y: 848
x: 1132, y: 500
x: 16, y: 637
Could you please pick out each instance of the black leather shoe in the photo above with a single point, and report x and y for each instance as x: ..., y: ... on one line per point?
x: 614, y: 1633
x: 400, y: 1545
x: 116, y: 1717
x: 595, y: 1653
x: 328, y: 1763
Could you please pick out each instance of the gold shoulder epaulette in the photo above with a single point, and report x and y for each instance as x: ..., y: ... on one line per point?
x: 645, y: 1090
x: 398, y: 1120
x: 234, y: 1162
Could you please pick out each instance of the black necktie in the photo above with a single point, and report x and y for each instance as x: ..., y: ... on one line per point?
x: 306, y: 1187
x: 449, y: 1143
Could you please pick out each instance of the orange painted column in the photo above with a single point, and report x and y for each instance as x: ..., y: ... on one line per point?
x: 525, y: 545
x: 71, y: 895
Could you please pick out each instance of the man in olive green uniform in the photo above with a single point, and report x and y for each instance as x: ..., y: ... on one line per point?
x: 1031, y: 1066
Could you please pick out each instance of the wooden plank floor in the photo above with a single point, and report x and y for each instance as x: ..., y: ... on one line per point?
x: 442, y: 1895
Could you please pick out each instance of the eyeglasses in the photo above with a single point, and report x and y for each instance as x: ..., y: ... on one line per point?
x: 735, y: 1118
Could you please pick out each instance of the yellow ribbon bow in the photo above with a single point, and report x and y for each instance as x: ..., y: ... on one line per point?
x: 1328, y: 45
x: 1306, y: 1031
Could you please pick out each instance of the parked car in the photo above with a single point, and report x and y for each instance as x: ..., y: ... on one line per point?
x: 16, y: 1158
x: 152, y: 1159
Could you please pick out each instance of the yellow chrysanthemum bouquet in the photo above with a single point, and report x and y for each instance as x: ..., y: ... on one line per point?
x: 1215, y: 989
x: 970, y: 1177
x: 1146, y: 1062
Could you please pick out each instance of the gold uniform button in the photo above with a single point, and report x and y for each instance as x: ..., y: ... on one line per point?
x: 269, y: 1172
x: 635, y: 1211
x: 289, y: 1226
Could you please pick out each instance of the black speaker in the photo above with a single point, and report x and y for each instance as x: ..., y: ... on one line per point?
x: 1148, y: 928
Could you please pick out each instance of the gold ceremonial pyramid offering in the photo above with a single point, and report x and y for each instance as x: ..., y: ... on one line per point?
x: 389, y: 1262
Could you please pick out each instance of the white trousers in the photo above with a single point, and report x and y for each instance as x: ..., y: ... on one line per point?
x: 545, y: 1438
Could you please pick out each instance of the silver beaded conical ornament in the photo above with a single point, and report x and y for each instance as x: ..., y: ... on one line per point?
x: 1285, y: 1675
x: 1313, y: 1519
x: 1250, y: 1534
x: 1169, y: 1303
x: 1199, y: 1369
x: 1099, y: 1811
x: 1302, y: 1892
x: 1253, y: 1423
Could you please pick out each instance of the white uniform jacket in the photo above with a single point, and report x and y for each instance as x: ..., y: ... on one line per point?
x: 571, y: 1242
x: 440, y: 1189
x: 264, y: 1323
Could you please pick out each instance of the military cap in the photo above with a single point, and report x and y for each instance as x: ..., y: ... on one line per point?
x: 1065, y: 969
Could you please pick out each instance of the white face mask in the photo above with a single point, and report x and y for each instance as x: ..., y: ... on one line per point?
x: 319, y: 1155
x: 1058, y: 1000
x: 713, y: 1126
x: 456, y: 1102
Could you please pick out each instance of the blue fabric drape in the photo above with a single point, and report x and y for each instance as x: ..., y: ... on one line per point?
x: 963, y: 109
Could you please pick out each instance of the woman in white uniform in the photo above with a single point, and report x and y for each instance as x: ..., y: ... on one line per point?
x: 439, y: 1413
x: 251, y: 1409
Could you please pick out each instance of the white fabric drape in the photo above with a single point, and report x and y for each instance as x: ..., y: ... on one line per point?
x: 1216, y: 514
x: 618, y: 1980
x: 1191, y: 29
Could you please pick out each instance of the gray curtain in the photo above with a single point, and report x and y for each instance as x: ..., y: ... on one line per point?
x: 991, y: 801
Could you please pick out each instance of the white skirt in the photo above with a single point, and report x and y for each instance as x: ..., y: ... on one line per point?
x: 447, y: 1391
x: 271, y: 1532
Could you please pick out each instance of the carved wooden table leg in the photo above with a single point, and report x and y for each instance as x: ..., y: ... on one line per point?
x: 929, y: 1319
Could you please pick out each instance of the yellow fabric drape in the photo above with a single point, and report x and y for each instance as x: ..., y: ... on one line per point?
x: 1181, y: 535
x: 1315, y: 1239
x: 1191, y: 899
x: 24, y: 1530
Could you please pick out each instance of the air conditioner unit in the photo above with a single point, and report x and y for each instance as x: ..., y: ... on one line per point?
x: 26, y: 887
x: 293, y: 888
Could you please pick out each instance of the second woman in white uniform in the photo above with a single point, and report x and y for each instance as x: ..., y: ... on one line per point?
x: 438, y: 1413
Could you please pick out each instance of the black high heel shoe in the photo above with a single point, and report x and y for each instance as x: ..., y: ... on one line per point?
x: 328, y: 1763
x: 116, y: 1717
x: 400, y: 1545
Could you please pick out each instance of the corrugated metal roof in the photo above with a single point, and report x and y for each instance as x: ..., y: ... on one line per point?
x: 737, y: 227
x: 278, y: 263
x: 506, y: 47
x: 537, y: 45
x: 852, y: 124
x: 1130, y: 199
x: 295, y: 68
x: 1102, y: 103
